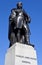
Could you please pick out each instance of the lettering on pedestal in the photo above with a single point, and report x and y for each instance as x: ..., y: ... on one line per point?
x: 25, y: 57
x: 26, y: 62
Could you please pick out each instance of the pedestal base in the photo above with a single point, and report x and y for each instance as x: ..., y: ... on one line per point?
x: 21, y: 54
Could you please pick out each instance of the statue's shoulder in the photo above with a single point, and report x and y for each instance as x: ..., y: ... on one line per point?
x: 13, y: 9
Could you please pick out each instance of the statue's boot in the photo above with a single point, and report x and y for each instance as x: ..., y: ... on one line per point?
x: 27, y: 39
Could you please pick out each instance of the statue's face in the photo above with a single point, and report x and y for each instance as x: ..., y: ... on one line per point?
x: 19, y: 5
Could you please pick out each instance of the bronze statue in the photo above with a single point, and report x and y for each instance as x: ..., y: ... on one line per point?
x: 19, y: 26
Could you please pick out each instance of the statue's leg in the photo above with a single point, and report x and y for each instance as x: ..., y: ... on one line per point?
x: 22, y: 36
x: 18, y: 36
x: 26, y: 34
x: 27, y: 37
x: 23, y: 39
x: 12, y: 39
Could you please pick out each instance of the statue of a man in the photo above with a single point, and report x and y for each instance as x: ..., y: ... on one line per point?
x: 18, y: 25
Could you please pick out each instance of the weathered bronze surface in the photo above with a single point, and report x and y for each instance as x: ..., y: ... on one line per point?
x: 19, y: 26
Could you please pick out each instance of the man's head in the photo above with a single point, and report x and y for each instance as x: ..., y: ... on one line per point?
x: 19, y: 5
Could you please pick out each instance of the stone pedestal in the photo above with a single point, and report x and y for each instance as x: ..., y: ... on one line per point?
x: 21, y: 54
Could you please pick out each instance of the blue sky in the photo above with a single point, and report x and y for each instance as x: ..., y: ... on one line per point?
x: 34, y: 9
